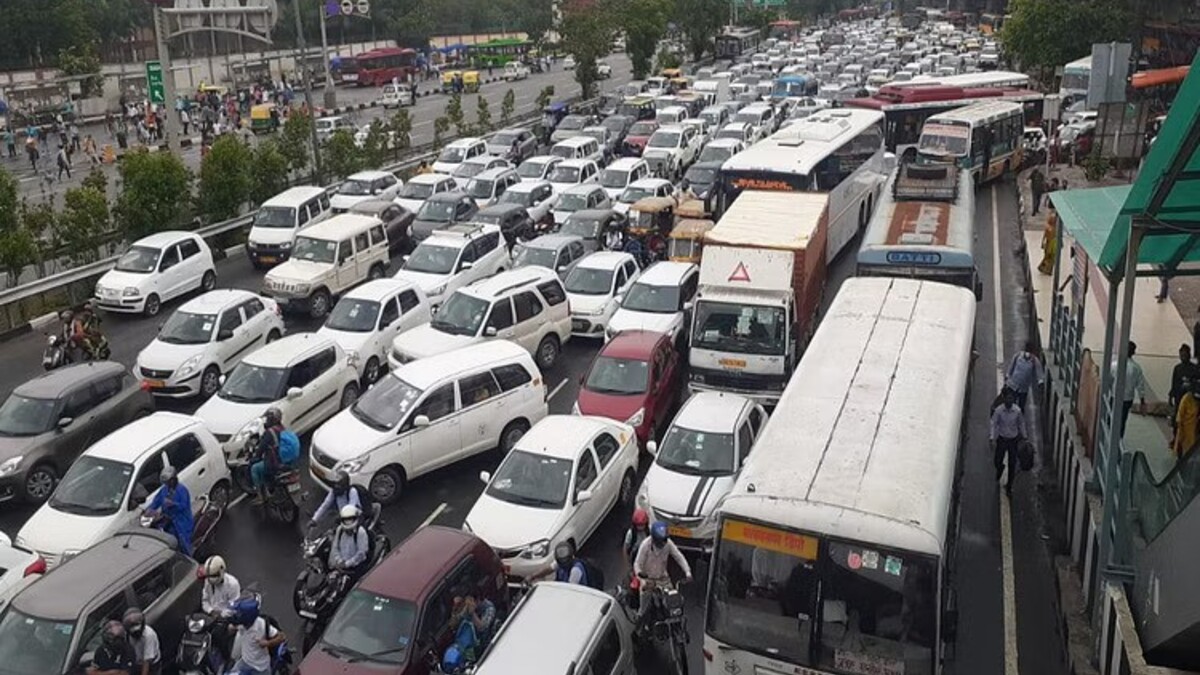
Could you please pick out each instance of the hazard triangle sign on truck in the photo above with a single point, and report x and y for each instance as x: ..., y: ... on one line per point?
x: 740, y: 273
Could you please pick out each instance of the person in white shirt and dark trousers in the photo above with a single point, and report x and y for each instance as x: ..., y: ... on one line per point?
x: 1024, y: 372
x: 1135, y: 385
x: 1008, y: 431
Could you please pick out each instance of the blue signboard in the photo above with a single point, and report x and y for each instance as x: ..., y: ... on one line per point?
x: 913, y: 258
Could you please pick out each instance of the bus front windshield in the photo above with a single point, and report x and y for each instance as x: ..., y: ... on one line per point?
x: 838, y: 606
x: 945, y: 140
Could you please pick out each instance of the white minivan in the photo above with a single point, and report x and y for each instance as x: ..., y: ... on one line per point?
x: 273, y: 231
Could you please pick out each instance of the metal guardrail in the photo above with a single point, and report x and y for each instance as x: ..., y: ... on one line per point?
x: 55, y: 281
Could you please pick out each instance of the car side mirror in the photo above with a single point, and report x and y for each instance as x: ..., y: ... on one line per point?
x: 687, y: 306
x: 561, y: 268
x: 490, y: 331
x: 652, y: 447
x: 139, y: 496
x: 294, y: 393
x: 421, y: 421
x: 221, y: 379
x: 64, y: 422
x: 485, y: 476
x: 403, y: 259
x: 224, y: 334
x: 465, y: 265
x: 978, y: 290
x: 583, y: 496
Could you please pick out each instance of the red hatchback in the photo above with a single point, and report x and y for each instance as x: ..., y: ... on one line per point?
x: 634, y: 379
x: 400, y: 613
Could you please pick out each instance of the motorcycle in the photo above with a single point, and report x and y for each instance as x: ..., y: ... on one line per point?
x: 662, y: 623
x: 203, y: 526
x: 197, y: 654
x: 57, y: 353
x: 283, y: 493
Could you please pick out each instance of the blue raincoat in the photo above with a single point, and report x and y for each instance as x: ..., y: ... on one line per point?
x: 176, y: 505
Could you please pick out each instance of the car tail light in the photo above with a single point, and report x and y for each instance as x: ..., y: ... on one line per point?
x: 36, y: 567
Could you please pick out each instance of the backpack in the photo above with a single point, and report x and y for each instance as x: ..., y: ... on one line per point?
x: 289, y: 446
x: 593, y: 575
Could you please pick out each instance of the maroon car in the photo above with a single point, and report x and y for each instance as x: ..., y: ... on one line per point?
x: 398, y: 618
x: 634, y: 379
x: 637, y: 137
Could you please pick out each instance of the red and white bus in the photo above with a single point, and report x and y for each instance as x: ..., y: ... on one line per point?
x: 906, y: 107
x: 380, y: 66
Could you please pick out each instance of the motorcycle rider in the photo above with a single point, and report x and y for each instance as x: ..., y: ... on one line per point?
x: 258, y: 638
x: 174, y: 502
x: 350, y: 546
x: 639, y: 529
x: 66, y: 334
x: 115, y: 654
x: 269, y: 464
x: 341, y: 494
x: 650, y: 565
x: 147, y: 650
x: 567, y: 567
x: 88, y: 332
x: 221, y: 589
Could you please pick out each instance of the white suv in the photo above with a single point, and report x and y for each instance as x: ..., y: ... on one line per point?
x: 671, y: 150
x: 527, y: 306
x: 458, y: 152
x: 453, y: 257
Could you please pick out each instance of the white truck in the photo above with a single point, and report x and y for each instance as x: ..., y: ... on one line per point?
x: 762, y: 274
x: 716, y: 91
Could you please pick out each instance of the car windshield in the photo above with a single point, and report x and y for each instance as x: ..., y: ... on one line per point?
x: 949, y: 140
x: 355, y: 188
x: 565, y: 174
x: 564, y: 151
x: 747, y: 117
x: 712, y: 117
x: 353, y: 315
x: 139, y: 259
x: 520, y: 197
x: 370, y: 627
x: 314, y: 250
x: 615, y: 124
x: 249, y: 383
x: 701, y: 175
x: 469, y: 169
x: 696, y: 452
x: 664, y: 139
x: 572, y: 123
x: 461, y: 314
x: 93, y: 486
x: 580, y: 227
x: 436, y: 211
x: 571, y: 202
x: 186, y: 328
x: 531, y: 255
x: 614, y: 179
x: 26, y: 416
x: 416, y: 190
x: 632, y: 194
x: 383, y: 406
x: 480, y: 189
x: 622, y: 377
x: 654, y: 299
x: 453, y: 155
x: 531, y: 169
x: 275, y: 216
x: 33, y: 646
x: 589, y: 281
x: 505, y: 138
x: 432, y: 259
x: 642, y: 128
x: 532, y: 479
x: 715, y: 153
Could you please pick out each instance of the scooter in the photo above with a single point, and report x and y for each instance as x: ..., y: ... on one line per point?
x: 57, y: 353
x: 203, y: 526
x: 283, y: 494
x: 197, y: 654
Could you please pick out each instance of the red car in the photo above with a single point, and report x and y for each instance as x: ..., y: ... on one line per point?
x: 637, y: 137
x: 400, y: 614
x: 634, y: 379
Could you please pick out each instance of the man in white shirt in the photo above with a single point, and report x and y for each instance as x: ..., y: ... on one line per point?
x: 146, y: 648
x: 257, y: 638
x: 1135, y: 385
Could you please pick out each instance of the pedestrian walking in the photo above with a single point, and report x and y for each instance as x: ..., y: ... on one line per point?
x: 1135, y: 385
x: 31, y: 149
x: 75, y: 140
x: 185, y: 120
x: 1037, y: 185
x: 1049, y: 241
x: 10, y: 142
x: 1007, y: 432
x: 64, y: 162
x: 1024, y: 372
x: 1185, y: 371
x: 1164, y: 285
x: 1186, y: 420
x: 89, y: 150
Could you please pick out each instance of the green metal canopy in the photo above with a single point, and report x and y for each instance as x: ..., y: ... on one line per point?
x: 1091, y: 215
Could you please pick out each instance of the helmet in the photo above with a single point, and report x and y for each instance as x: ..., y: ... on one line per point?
x: 341, y: 483
x: 273, y: 416
x: 167, y: 473
x: 134, y: 621
x: 658, y: 532
x: 453, y: 660
x: 66, y: 315
x: 349, y: 516
x: 245, y: 609
x: 564, y: 553
x: 114, y: 633
x: 640, y: 518
x: 214, y: 567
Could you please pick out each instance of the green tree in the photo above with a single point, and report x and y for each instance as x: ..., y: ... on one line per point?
x: 402, y: 126
x: 667, y: 59
x: 342, y: 155
x: 83, y: 225
x: 483, y: 115
x: 376, y: 146
x: 441, y: 125
x: 8, y: 201
x: 38, y: 219
x: 757, y: 17
x: 587, y: 32
x: 507, y: 106
x: 82, y: 60
x: 701, y: 22
x: 268, y: 171
x: 225, y: 179
x: 1044, y: 34
x: 545, y: 96
x: 644, y: 23
x: 97, y: 180
x: 296, y: 139
x: 454, y: 113
x: 154, y: 194
x: 534, y: 17
x: 18, y: 247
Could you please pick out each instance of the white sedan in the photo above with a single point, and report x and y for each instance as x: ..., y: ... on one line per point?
x: 366, y: 320
x: 557, y: 484
x: 593, y: 288
x: 204, y: 339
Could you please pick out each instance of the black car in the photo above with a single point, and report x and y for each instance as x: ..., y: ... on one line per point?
x: 513, y: 220
x: 591, y: 226
x: 701, y: 177
x: 442, y: 210
x: 618, y: 126
x: 397, y: 220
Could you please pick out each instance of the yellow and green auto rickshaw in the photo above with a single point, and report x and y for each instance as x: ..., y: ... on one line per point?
x: 261, y: 119
x: 687, y: 240
x: 470, y: 80
x: 449, y: 78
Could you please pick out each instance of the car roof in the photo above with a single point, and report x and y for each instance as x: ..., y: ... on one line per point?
x: 461, y: 234
x: 665, y: 273
x: 529, y: 186
x: 288, y: 349
x: 372, y: 207
x: 511, y: 279
x: 634, y: 344
x: 500, y: 207
x: 293, y: 195
x: 710, y: 411
x: 736, y: 126
x: 626, y: 163
x: 139, y: 437
x: 379, y: 289
x: 464, y: 142
x: 450, y: 196
x: 419, y: 563
x: 493, y: 173
x: 340, y: 226
x: 540, y: 615
x: 605, y: 260
x: 215, y: 300
x: 723, y: 142
x: 482, y: 159
x: 583, y: 188
x: 432, y: 370
x: 542, y: 159
x: 162, y: 239
x: 429, y: 178
x: 577, y: 163
x: 674, y: 128
x: 553, y: 241
x: 577, y: 140
x: 60, y: 380
x: 649, y: 182
x: 69, y: 588
x: 547, y: 436
x: 369, y: 175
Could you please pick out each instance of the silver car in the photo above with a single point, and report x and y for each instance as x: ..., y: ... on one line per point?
x: 559, y: 252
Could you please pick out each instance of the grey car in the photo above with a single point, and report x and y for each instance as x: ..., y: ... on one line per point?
x: 701, y: 177
x: 46, y: 423
x: 440, y: 211
x: 512, y: 219
x: 559, y: 252
x: 397, y: 220
x: 591, y: 226
x: 516, y: 145
x: 54, y: 625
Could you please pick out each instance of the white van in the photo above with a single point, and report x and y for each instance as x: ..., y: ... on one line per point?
x: 397, y: 95
x: 273, y: 231
x: 328, y: 259
x: 429, y: 414
x: 579, y: 147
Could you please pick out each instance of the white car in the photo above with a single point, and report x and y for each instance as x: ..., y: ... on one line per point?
x: 306, y: 375
x: 557, y: 484
x: 568, y: 63
x: 458, y: 152
x: 660, y: 300
x: 646, y: 187
x: 537, y: 197
x: 720, y: 149
x: 397, y: 95
x: 366, y: 320
x: 156, y: 269
x: 583, y: 197
x: 413, y: 194
x: 453, y: 257
x: 537, y: 168
x: 327, y: 126
x: 19, y: 567
x: 204, y: 339
x: 101, y: 493
x: 622, y: 173
x: 515, y: 70
x: 603, y: 70
x: 362, y: 186
x: 704, y: 131
x: 477, y: 166
x: 696, y: 464
x: 671, y: 150
x: 571, y: 172
x: 593, y: 288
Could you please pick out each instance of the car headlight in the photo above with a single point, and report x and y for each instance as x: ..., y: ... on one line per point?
x: 575, y: 408
x: 302, y: 289
x: 285, y: 244
x: 637, y: 418
x: 188, y: 367
x: 70, y: 553
x: 538, y: 549
x: 352, y: 466
x: 599, y: 311
x: 437, y: 290
x: 251, y: 245
x: 130, y: 292
x: 10, y: 465
x: 354, y: 358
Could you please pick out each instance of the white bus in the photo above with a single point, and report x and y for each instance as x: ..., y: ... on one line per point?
x: 837, y: 151
x: 989, y: 79
x: 986, y: 138
x: 835, y: 546
x: 1076, y: 76
x: 924, y: 228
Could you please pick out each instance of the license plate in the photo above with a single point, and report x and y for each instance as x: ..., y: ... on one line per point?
x: 677, y: 531
x: 155, y: 384
x: 732, y: 363
x: 293, y: 487
x: 304, y: 613
x: 268, y: 259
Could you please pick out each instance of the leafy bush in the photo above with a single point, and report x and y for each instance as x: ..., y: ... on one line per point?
x: 342, y: 156
x: 225, y: 179
x: 154, y: 196
x: 1096, y: 166
x: 268, y: 171
x: 82, y: 226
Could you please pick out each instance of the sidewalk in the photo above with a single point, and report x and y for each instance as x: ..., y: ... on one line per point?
x: 1158, y: 328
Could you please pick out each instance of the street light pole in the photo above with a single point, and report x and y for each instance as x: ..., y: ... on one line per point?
x: 168, y: 75
x: 307, y: 83
x: 330, y: 93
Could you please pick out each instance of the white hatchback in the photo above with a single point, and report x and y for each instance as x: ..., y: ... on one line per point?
x: 154, y: 270
x: 557, y: 484
x: 572, y: 172
x: 204, y: 339
x: 307, y: 376
x: 421, y: 187
x: 593, y: 288
x: 537, y: 168
x: 537, y: 197
x: 366, y: 320
x: 660, y: 301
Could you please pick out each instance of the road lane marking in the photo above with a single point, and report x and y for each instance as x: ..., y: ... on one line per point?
x: 433, y: 516
x: 1011, y: 667
x: 557, y: 388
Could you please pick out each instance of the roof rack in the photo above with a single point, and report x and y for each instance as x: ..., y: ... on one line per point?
x: 928, y: 182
